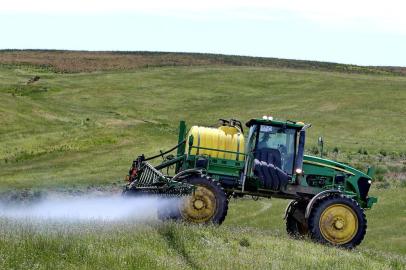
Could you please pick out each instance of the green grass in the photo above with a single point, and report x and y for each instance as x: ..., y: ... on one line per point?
x: 252, y: 237
x: 73, y: 131
x: 80, y: 129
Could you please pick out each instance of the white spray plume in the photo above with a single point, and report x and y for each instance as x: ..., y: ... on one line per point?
x: 111, y: 208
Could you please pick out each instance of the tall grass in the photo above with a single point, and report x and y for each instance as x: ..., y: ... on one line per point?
x: 252, y: 237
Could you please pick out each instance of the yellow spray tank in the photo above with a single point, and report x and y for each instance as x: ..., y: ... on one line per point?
x: 223, y: 138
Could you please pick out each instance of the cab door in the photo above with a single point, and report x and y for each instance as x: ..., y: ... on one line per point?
x: 274, y: 156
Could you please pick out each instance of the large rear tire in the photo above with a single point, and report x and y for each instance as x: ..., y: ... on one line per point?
x: 337, y: 220
x: 296, y: 225
x: 207, y: 205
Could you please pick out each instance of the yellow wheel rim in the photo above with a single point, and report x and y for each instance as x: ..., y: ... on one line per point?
x: 338, y: 224
x: 199, y: 207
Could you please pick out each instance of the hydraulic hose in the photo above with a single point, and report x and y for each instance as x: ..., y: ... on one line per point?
x: 166, y: 152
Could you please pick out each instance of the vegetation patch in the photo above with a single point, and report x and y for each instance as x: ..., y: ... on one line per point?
x: 87, y: 61
x: 27, y: 90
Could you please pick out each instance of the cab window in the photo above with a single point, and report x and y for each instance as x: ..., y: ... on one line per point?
x: 282, y: 140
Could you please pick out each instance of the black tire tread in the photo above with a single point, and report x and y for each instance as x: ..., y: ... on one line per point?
x: 292, y: 225
x: 321, y: 204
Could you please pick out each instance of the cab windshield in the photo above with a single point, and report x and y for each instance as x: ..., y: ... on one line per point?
x: 283, y: 141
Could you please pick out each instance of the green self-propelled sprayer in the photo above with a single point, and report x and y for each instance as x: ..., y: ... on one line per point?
x: 211, y: 165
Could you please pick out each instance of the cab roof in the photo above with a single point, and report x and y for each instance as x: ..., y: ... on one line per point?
x: 273, y: 122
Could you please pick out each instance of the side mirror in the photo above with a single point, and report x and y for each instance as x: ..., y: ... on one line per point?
x: 320, y: 143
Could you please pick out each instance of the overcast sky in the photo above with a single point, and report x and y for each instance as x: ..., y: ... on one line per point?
x: 355, y: 32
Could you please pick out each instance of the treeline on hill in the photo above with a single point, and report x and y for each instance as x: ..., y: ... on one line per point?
x: 87, y: 61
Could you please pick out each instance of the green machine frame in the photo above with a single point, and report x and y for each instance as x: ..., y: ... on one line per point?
x: 318, y: 174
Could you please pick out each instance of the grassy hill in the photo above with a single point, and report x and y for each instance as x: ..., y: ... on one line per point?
x: 86, y: 128
x: 87, y: 61
x: 89, y: 114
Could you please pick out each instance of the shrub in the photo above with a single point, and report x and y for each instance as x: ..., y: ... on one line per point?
x: 394, y: 155
x: 362, y: 151
x: 394, y: 169
x: 380, y: 170
x: 314, y: 150
x: 379, y: 178
x: 383, y: 185
x: 244, y: 242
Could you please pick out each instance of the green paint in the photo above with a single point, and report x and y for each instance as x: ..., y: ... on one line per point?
x: 318, y: 174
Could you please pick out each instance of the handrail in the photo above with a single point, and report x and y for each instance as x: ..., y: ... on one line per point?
x: 219, y: 150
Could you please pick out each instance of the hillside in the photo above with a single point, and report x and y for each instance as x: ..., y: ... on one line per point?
x: 80, y: 124
x: 88, y: 61
x: 85, y: 128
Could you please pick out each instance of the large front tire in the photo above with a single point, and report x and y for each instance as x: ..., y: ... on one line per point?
x: 337, y: 220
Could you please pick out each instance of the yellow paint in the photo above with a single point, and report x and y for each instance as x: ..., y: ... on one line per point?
x: 221, y: 144
x: 229, y: 130
x: 328, y: 166
x: 194, y: 131
x: 234, y: 146
x: 338, y: 224
x: 241, y: 145
x: 209, y: 141
x: 228, y: 146
x: 199, y: 207
x: 217, y: 139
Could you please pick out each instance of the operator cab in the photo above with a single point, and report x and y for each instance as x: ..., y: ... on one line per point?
x: 276, y: 145
x: 276, y: 151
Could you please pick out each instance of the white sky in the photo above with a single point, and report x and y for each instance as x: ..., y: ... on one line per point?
x: 377, y: 24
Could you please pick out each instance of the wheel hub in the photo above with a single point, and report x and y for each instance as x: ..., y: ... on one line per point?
x: 199, y: 207
x: 198, y: 204
x: 339, y: 224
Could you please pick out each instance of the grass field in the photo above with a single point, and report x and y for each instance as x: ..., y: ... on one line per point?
x: 75, y: 130
x: 252, y: 237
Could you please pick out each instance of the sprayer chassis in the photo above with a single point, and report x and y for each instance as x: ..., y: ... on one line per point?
x: 238, y: 179
x: 311, y: 182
